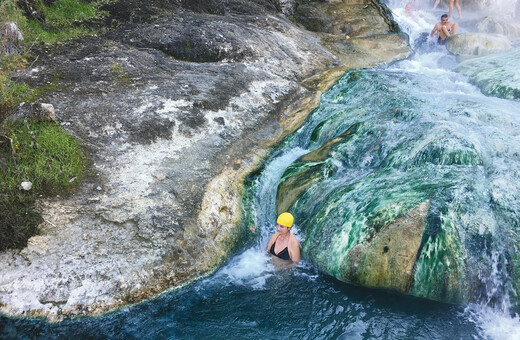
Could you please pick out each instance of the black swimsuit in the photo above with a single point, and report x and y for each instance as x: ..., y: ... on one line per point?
x: 284, y: 254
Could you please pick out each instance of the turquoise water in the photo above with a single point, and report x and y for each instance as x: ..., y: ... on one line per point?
x: 277, y: 304
x: 252, y: 297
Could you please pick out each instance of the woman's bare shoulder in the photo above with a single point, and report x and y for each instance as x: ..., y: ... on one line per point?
x: 293, y: 239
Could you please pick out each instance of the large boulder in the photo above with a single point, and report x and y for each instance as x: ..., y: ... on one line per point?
x: 401, y: 192
x: 470, y: 45
x: 388, y: 259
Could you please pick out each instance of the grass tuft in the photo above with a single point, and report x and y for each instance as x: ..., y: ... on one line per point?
x: 40, y: 153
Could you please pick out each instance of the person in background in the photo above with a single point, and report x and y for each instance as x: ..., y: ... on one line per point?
x: 409, y: 11
x: 444, y: 29
x: 284, y: 244
x: 450, y: 6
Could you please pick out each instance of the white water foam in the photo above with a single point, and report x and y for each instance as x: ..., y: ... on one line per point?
x: 251, y: 268
x: 419, y: 22
x: 494, y: 324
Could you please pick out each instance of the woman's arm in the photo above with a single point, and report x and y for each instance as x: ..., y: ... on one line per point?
x: 294, y: 249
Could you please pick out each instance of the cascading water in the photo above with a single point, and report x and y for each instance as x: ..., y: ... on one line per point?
x: 493, y: 315
x: 414, y: 132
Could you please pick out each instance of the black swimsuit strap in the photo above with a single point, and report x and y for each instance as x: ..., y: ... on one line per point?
x: 284, y: 253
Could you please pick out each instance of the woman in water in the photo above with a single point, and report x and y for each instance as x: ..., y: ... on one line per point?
x: 284, y: 244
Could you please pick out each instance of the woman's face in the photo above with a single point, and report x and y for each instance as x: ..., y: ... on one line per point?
x: 282, y: 229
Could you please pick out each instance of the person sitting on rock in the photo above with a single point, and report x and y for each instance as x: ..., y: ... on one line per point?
x: 284, y: 244
x: 444, y: 29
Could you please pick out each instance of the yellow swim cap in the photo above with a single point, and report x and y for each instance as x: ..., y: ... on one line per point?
x: 285, y: 219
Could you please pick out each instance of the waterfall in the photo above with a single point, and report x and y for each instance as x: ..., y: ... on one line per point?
x: 420, y: 134
x: 493, y: 315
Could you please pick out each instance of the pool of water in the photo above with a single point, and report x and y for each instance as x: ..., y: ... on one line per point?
x: 252, y: 298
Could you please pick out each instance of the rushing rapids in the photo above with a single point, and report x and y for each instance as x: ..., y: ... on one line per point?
x: 410, y: 183
x: 411, y: 188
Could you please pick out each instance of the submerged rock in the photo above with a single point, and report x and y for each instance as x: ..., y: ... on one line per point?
x: 496, y: 75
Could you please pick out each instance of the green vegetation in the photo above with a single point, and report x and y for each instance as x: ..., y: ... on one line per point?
x: 64, y: 19
x: 40, y: 153
x: 121, y: 74
x: 43, y: 154
x: 12, y: 93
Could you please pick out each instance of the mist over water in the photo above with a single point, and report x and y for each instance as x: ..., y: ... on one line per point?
x: 256, y: 297
x: 483, y: 16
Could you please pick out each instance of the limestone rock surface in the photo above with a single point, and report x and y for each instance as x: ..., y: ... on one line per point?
x: 470, y: 45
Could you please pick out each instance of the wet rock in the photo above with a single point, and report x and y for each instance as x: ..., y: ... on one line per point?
x: 470, y: 45
x: 309, y: 170
x: 496, y: 75
x: 388, y: 259
x: 353, y: 28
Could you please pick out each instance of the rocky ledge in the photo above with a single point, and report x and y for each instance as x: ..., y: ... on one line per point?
x: 174, y: 110
x: 496, y: 75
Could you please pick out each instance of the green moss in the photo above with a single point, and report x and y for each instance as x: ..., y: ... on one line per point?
x: 121, y: 74
x: 43, y: 154
x: 440, y: 268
